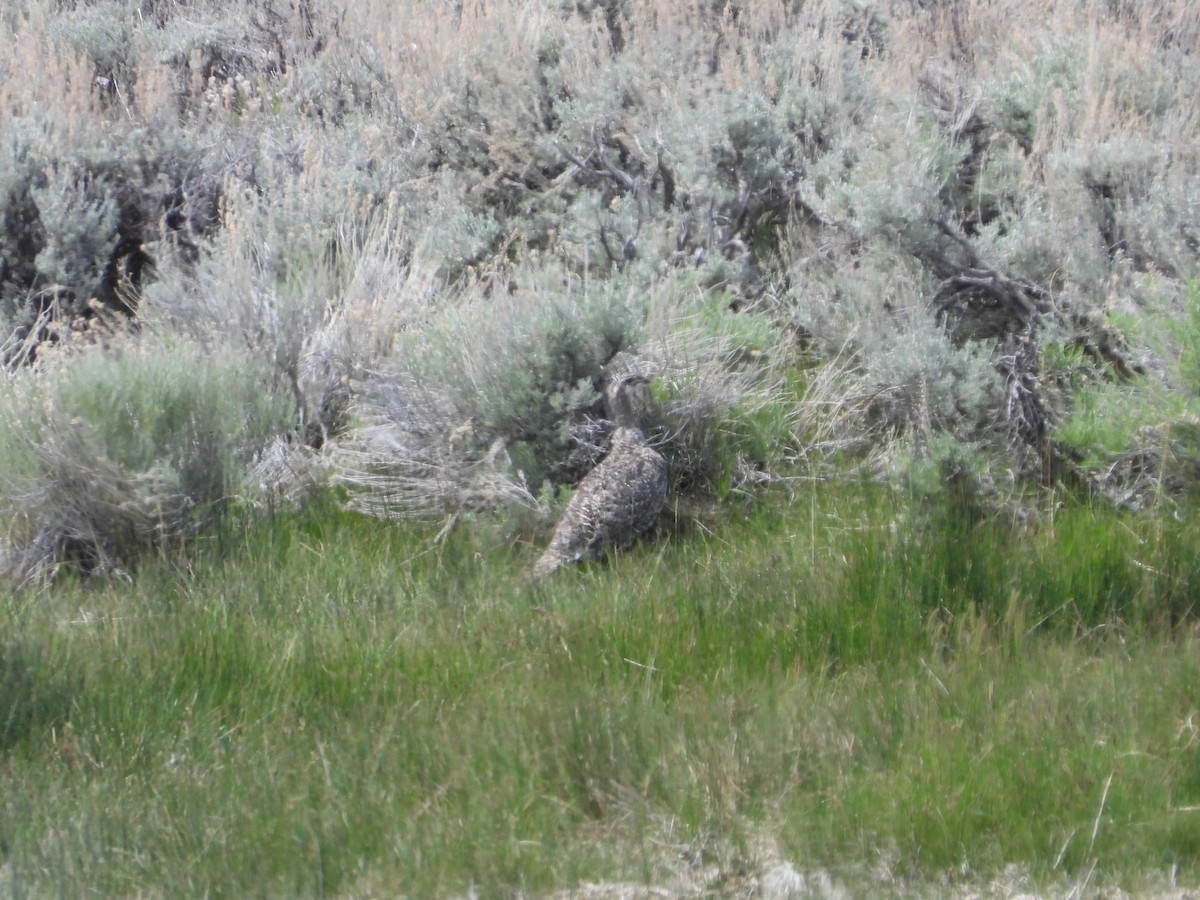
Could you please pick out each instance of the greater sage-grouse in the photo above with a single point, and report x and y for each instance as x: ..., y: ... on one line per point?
x: 619, y: 500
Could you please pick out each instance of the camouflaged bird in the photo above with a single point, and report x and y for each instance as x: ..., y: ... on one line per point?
x: 619, y: 500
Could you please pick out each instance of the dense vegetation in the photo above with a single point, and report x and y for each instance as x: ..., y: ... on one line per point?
x: 306, y: 311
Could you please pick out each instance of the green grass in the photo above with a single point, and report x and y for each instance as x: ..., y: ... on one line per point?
x: 335, y: 706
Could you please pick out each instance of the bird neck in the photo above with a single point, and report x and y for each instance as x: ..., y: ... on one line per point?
x: 627, y: 436
x: 620, y: 409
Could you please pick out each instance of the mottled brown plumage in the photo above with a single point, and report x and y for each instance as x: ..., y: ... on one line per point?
x: 619, y: 500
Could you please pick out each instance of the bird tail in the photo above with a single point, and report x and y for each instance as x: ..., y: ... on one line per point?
x: 546, y: 564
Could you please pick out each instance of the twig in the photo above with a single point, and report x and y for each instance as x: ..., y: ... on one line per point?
x: 1100, y: 812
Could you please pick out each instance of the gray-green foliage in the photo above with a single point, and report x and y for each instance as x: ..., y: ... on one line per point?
x: 20, y: 238
x: 87, y: 210
x: 80, y: 218
x: 81, y: 211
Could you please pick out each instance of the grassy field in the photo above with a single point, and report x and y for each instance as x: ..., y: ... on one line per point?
x: 875, y: 692
x: 308, y: 311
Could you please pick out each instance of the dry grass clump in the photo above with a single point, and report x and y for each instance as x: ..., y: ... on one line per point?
x: 112, y: 453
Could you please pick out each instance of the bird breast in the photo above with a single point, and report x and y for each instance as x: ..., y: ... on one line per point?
x: 614, y: 505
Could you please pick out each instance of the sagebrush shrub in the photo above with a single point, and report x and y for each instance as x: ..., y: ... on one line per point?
x: 914, y: 190
x: 497, y: 400
x: 313, y: 296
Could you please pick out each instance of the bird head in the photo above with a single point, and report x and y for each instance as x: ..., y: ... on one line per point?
x: 625, y: 399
